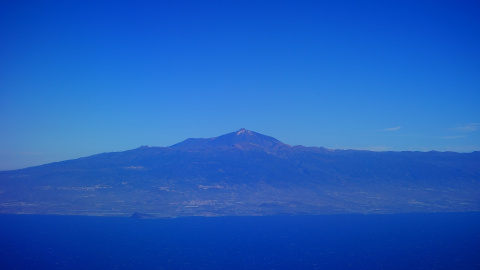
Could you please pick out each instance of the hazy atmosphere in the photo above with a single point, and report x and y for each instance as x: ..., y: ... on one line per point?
x: 86, y: 77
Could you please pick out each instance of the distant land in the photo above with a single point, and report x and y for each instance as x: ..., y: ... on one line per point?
x: 244, y: 173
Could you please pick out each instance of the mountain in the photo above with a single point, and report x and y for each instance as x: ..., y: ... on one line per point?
x: 244, y: 173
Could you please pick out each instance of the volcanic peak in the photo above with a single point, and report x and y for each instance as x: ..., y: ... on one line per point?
x: 241, y: 138
x: 244, y: 131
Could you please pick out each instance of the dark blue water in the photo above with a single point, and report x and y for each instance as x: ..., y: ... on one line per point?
x: 399, y: 241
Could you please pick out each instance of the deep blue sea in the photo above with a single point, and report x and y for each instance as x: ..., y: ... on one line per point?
x: 397, y: 241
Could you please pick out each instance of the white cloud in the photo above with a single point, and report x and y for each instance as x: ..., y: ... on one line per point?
x: 470, y: 127
x: 391, y: 129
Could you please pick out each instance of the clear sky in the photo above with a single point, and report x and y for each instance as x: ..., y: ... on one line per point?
x: 84, y: 77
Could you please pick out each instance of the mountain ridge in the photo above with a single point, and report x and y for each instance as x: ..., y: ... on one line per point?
x: 203, y: 143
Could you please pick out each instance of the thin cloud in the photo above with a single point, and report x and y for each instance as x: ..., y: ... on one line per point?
x: 30, y: 153
x: 470, y: 127
x: 453, y: 137
x: 377, y: 148
x: 391, y: 129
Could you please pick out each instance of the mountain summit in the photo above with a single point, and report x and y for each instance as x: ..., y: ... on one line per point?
x: 241, y: 138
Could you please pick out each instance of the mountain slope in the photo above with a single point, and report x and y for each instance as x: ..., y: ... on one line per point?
x: 245, y: 173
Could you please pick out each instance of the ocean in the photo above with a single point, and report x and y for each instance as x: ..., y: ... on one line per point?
x: 394, y: 241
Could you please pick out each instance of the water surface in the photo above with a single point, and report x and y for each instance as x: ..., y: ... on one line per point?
x: 397, y: 241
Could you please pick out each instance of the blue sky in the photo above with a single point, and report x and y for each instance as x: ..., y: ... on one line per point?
x: 84, y: 77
